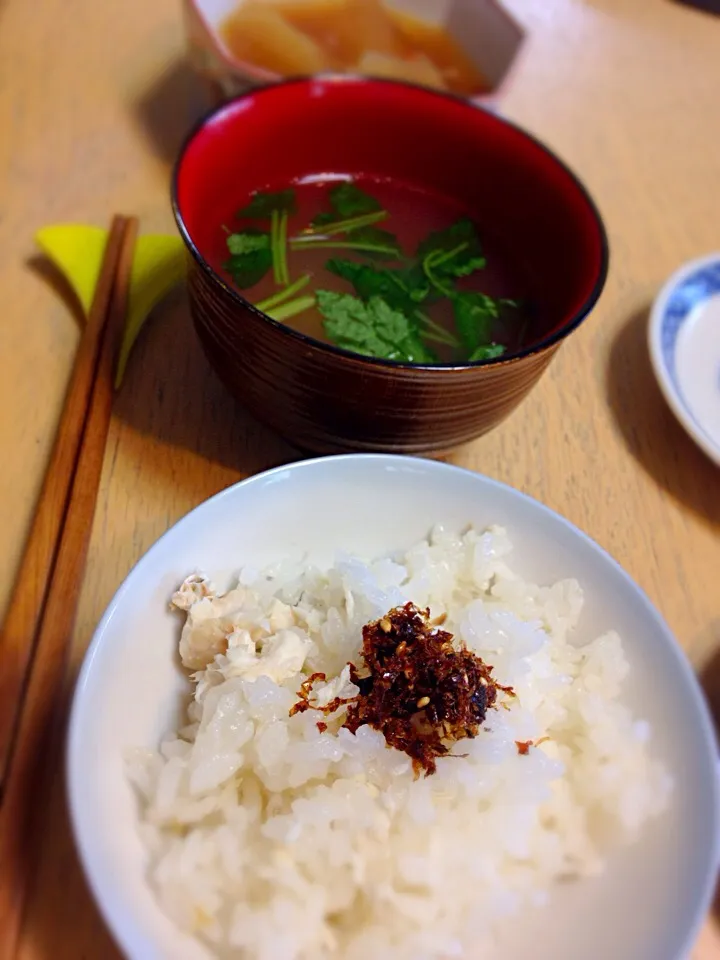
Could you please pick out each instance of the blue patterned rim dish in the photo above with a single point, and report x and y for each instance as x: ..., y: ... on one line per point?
x: 684, y: 340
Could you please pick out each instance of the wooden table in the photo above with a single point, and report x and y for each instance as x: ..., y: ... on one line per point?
x: 625, y: 90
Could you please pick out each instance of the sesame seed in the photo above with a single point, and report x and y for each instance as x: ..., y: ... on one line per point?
x: 385, y: 625
x: 423, y: 702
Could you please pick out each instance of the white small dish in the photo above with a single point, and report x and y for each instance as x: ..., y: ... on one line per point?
x: 487, y: 31
x: 650, y: 902
x: 684, y: 337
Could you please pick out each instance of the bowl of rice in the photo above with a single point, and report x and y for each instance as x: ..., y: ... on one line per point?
x: 379, y: 707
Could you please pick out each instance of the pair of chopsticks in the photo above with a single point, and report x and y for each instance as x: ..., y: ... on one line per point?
x: 38, y: 627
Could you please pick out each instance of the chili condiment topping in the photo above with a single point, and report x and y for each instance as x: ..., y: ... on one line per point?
x: 421, y: 692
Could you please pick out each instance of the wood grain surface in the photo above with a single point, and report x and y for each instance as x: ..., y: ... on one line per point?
x: 94, y: 100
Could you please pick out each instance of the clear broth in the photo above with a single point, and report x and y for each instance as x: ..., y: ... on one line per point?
x: 412, y: 215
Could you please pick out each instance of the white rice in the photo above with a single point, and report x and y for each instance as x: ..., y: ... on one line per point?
x: 271, y: 840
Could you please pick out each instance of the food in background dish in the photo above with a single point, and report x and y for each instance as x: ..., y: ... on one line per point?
x: 376, y: 267
x: 291, y: 37
x: 278, y: 830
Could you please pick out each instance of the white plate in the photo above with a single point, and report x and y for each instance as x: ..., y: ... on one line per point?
x: 684, y: 339
x: 651, y: 901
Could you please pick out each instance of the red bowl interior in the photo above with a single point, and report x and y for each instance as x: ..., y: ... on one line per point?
x: 510, y: 184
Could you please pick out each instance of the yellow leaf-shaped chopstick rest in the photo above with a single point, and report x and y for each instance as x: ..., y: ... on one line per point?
x: 76, y: 251
x: 158, y: 264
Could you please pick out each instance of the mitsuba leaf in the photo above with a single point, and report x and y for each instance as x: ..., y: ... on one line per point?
x: 262, y: 204
x: 250, y: 257
x: 415, y: 281
x: 488, y: 351
x: 387, y: 244
x: 453, y: 252
x: 475, y: 314
x: 373, y: 329
x: 250, y: 241
x: 401, y: 289
x: 348, y: 200
x: 324, y: 218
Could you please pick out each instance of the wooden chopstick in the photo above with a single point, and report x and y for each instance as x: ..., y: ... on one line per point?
x: 41, y: 724
x: 17, y: 636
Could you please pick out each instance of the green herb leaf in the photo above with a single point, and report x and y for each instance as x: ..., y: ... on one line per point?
x: 387, y: 244
x: 474, y: 315
x: 321, y: 219
x: 348, y: 200
x: 249, y: 242
x: 415, y: 282
x: 454, y: 252
x: 401, y: 289
x: 373, y: 329
x: 262, y: 204
x: 368, y: 282
x: 488, y: 351
x: 250, y: 257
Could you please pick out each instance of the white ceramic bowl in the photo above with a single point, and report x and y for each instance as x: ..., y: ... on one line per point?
x: 651, y: 901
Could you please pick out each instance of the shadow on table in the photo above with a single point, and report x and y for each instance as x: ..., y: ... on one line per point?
x: 710, y: 674
x: 171, y: 393
x: 704, y: 6
x: 710, y: 680
x: 48, y: 273
x: 169, y: 108
x: 651, y: 432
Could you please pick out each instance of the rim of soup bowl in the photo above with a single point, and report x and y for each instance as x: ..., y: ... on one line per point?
x: 304, y: 339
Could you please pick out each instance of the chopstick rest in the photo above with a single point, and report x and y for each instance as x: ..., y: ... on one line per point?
x: 158, y: 265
